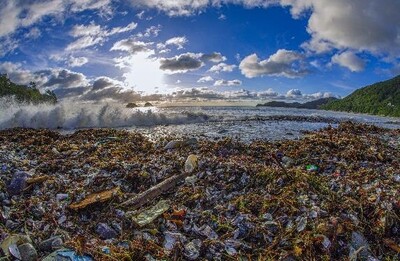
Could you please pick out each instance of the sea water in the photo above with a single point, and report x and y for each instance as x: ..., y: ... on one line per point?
x: 246, y: 123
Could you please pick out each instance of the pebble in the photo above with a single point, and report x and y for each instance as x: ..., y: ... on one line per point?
x: 105, y: 231
x: 11, y: 224
x: 192, y: 249
x: 28, y: 252
x: 51, y: 244
x: 18, y: 183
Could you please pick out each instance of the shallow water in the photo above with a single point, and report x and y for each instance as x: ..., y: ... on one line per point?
x: 246, y: 123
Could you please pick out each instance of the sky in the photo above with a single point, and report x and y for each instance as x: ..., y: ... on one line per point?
x: 130, y: 50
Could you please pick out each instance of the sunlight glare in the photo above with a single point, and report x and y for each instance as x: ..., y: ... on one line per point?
x: 144, y: 74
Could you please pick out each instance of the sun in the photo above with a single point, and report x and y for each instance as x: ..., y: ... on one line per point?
x: 143, y: 73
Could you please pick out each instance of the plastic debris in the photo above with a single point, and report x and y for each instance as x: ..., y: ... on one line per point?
x: 67, y: 255
x: 149, y: 215
x: 13, y: 241
x: 191, y: 163
x: 359, y: 247
x: 244, y: 201
x: 312, y: 168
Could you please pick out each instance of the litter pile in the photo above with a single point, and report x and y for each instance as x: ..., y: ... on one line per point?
x: 108, y: 194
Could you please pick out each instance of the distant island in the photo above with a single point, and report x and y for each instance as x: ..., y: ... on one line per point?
x: 134, y: 105
x: 382, y: 98
x: 316, y: 104
x: 25, y: 93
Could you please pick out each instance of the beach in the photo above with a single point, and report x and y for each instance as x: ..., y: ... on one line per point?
x: 331, y: 194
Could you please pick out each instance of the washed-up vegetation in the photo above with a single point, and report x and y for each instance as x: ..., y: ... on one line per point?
x: 115, y: 195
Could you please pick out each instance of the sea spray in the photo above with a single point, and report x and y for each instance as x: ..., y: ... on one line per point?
x: 74, y: 115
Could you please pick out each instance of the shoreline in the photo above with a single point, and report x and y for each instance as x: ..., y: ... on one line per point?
x: 325, y: 195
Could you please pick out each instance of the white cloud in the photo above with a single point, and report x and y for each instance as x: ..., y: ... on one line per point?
x: 105, y: 82
x: 213, y: 57
x: 267, y: 93
x: 92, y: 34
x: 294, y: 93
x: 131, y: 45
x: 283, y: 63
x: 349, y: 60
x: 22, y: 14
x: 7, y: 44
x: 222, y: 67
x: 205, y: 79
x: 222, y: 17
x: 117, y: 30
x: 320, y: 95
x: 150, y: 31
x: 179, y: 42
x: 187, y: 8
x: 140, y: 15
x: 182, y: 63
x: 77, y: 61
x: 48, y: 78
x: 33, y: 33
x: 227, y: 83
x: 367, y: 25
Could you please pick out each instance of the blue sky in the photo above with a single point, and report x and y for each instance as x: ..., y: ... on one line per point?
x: 255, y: 49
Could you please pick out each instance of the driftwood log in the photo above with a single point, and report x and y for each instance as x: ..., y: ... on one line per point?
x: 155, y: 191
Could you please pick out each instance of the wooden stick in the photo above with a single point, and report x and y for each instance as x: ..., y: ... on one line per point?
x: 153, y: 192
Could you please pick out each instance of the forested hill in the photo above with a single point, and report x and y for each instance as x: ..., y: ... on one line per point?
x: 23, y: 93
x: 382, y: 98
x: 316, y: 104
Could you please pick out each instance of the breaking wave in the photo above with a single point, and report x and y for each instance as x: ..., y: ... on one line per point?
x: 70, y: 115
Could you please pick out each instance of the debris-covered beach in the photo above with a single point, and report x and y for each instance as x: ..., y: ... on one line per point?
x: 106, y: 194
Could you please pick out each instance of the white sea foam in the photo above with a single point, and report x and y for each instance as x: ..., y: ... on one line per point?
x: 74, y: 115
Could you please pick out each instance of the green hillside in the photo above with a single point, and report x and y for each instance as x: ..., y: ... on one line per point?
x: 25, y: 93
x: 382, y: 98
x: 316, y: 104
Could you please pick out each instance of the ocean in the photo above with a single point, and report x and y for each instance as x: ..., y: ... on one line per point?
x: 243, y: 122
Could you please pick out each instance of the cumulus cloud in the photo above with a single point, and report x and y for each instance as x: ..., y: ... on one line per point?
x: 205, y: 79
x: 131, y: 46
x: 360, y: 24
x: 349, y: 60
x: 77, y: 61
x: 182, y: 63
x: 63, y: 78
x: 283, y: 63
x: 228, y: 83
x: 64, y: 82
x: 213, y: 57
x: 320, y: 95
x: 222, y: 67
x: 179, y: 42
x: 105, y: 82
x: 267, y: 93
x: 294, y: 93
